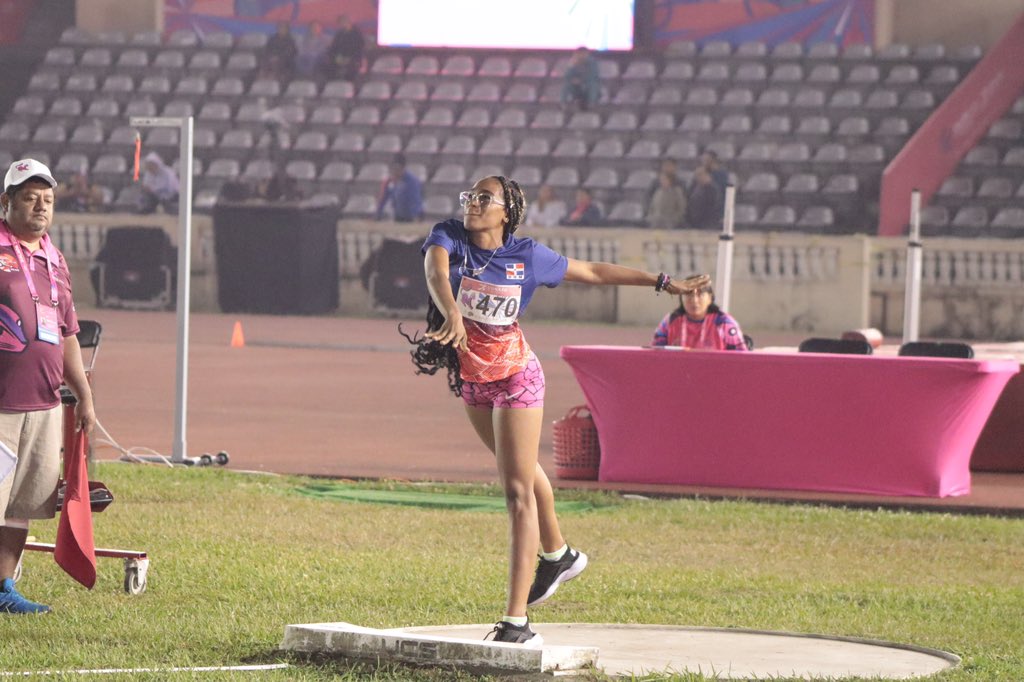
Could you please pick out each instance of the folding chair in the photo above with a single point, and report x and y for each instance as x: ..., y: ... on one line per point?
x: 937, y: 349
x: 841, y: 346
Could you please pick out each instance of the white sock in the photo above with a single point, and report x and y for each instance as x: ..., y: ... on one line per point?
x: 557, y: 554
x: 516, y: 620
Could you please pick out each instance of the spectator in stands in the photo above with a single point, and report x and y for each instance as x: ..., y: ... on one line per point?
x: 313, y: 50
x: 345, y: 53
x: 159, y: 186
x: 670, y: 166
x: 280, y: 187
x: 667, y: 208
x: 710, y: 162
x: 582, y: 84
x: 586, y: 212
x: 78, y: 195
x: 698, y: 322
x: 278, y: 59
x: 401, y: 194
x: 547, y: 210
x: 703, y: 207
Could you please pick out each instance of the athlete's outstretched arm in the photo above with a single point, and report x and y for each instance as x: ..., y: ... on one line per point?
x: 435, y: 266
x: 587, y: 272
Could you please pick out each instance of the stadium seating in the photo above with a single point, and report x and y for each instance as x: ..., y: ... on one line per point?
x: 812, y: 117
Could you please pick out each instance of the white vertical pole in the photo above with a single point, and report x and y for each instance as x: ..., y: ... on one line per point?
x: 180, y: 451
x: 912, y: 299
x: 723, y: 273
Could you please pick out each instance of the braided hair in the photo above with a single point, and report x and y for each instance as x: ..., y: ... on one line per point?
x: 430, y: 356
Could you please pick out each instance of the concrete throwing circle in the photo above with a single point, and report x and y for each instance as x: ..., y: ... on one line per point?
x: 727, y: 653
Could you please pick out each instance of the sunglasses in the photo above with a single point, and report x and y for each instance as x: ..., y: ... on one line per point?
x: 484, y: 199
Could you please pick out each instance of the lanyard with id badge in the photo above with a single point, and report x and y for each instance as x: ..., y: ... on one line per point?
x: 47, y: 325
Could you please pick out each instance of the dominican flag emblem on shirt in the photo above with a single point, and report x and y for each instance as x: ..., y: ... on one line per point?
x: 515, y: 271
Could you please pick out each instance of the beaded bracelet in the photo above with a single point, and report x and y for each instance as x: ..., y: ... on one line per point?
x: 663, y: 281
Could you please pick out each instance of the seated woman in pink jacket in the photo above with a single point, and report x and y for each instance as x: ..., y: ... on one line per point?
x: 698, y: 322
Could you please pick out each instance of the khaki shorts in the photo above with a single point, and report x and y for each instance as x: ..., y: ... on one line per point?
x: 31, y: 491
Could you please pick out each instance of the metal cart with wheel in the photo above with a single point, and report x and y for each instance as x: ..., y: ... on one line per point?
x: 136, y: 564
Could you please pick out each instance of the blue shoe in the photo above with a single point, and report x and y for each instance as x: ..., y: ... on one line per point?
x: 12, y: 602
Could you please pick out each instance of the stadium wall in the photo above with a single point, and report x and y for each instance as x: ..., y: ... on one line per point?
x: 972, y: 288
x: 137, y: 16
x: 953, y: 23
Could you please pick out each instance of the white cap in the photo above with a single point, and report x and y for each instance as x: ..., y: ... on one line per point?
x: 26, y: 169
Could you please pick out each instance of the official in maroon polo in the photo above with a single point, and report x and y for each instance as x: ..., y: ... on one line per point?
x: 38, y: 353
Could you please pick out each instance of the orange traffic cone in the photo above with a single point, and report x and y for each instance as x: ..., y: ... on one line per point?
x: 237, y: 338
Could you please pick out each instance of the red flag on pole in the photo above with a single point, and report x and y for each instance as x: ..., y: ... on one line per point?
x: 138, y: 153
x: 75, y: 550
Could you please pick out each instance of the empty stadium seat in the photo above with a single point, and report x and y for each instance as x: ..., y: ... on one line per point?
x: 531, y: 68
x: 495, y: 67
x: 525, y: 174
x: 362, y: 205
x: 437, y: 119
x: 934, y: 221
x: 496, y: 149
x: 627, y: 213
x: 422, y: 148
x: 423, y: 66
x: 970, y: 221
x: 460, y: 65
x: 779, y: 218
x: 335, y: 175
x: 376, y: 91
x: 1008, y: 223
x: 817, y: 220
x: 400, y: 118
x: 411, y: 91
x: 602, y: 178
x: 382, y: 147
x: 570, y: 149
x: 459, y: 149
x: 563, y: 178
x: 608, y: 148
x: 438, y: 207
x: 450, y: 178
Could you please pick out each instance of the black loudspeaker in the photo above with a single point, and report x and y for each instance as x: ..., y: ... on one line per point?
x: 135, y: 268
x: 276, y: 257
x: 396, y: 280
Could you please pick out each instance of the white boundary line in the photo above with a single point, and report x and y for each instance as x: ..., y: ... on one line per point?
x: 120, y: 671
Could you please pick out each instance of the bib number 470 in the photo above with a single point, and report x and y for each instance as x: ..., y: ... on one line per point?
x: 497, y: 305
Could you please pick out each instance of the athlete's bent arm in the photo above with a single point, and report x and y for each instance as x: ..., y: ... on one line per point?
x: 453, y: 331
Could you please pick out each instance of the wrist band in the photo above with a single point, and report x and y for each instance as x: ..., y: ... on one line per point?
x: 663, y: 281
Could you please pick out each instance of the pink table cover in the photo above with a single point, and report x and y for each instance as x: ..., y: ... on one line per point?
x: 799, y: 421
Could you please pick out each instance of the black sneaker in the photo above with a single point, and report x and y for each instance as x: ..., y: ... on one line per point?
x: 515, y: 634
x: 551, y: 574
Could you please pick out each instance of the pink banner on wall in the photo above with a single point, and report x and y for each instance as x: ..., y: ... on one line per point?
x: 934, y: 151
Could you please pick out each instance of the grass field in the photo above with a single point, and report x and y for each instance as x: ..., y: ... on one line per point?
x: 236, y: 557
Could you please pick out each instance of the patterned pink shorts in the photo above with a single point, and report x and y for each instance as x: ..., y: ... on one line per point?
x: 522, y: 389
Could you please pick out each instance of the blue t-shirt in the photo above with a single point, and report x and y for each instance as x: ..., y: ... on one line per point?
x: 522, y: 261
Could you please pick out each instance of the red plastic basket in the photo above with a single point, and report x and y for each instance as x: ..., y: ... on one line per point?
x: 577, y: 453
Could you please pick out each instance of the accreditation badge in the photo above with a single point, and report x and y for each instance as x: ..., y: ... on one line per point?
x: 49, y: 328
